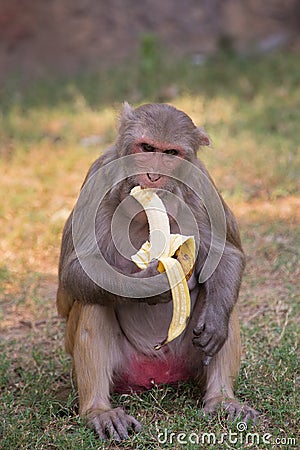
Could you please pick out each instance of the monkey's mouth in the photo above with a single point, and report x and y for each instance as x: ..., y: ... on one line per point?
x: 150, y: 180
x: 153, y: 177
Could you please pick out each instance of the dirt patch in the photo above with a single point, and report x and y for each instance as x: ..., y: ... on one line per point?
x: 286, y: 208
x: 27, y: 304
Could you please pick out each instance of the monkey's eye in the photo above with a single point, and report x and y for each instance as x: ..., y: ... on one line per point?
x: 171, y: 152
x: 147, y: 147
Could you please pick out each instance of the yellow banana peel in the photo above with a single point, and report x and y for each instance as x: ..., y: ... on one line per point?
x: 175, y: 254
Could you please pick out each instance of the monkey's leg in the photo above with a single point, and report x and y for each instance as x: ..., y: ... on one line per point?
x: 221, y: 374
x: 96, y: 355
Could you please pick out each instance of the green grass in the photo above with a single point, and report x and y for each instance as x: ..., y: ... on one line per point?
x: 249, y: 106
x: 251, y: 109
x: 40, y: 409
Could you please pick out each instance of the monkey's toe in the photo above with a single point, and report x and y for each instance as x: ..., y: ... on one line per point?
x: 114, y: 424
x: 240, y: 411
x: 249, y: 414
x: 233, y: 408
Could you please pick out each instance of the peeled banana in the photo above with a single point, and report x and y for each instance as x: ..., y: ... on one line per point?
x: 163, y: 245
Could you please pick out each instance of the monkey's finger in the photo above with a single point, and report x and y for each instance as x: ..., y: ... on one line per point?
x: 199, y: 329
x: 135, y: 424
x: 149, y: 272
x: 210, y: 348
x: 113, y: 424
x: 120, y: 428
x: 129, y: 422
x: 214, y: 345
x: 98, y: 428
x: 245, y: 416
x: 116, y: 434
x: 203, y: 340
x: 232, y: 413
x: 249, y: 414
x: 206, y: 360
x: 124, y: 423
x: 105, y: 429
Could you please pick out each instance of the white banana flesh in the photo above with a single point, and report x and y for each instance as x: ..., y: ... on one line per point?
x: 163, y: 245
x: 159, y: 227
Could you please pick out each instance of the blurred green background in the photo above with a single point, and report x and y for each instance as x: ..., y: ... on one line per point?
x: 60, y: 94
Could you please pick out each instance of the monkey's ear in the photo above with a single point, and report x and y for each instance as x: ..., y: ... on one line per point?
x: 203, y: 137
x: 125, y: 117
x: 126, y: 113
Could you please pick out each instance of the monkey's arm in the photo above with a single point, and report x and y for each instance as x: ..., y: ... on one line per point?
x: 79, y: 285
x: 222, y: 290
x: 222, y: 287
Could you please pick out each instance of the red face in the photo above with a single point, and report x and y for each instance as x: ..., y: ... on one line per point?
x: 157, y: 161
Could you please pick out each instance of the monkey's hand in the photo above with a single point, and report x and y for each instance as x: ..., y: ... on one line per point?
x: 211, y: 331
x: 151, y: 271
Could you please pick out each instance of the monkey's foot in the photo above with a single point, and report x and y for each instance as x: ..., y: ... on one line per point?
x: 232, y: 407
x: 112, y: 424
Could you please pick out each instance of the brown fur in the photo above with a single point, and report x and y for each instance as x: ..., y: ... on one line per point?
x: 105, y: 333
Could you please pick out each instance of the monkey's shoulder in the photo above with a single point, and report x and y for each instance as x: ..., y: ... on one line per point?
x: 109, y: 155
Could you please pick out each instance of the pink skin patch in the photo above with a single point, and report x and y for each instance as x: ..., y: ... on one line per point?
x: 153, y: 160
x: 143, y: 373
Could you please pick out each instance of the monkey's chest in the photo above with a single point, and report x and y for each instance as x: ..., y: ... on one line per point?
x: 142, y: 373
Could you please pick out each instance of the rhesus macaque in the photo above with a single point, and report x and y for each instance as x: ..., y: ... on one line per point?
x: 112, y: 335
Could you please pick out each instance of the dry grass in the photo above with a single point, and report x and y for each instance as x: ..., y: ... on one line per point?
x: 254, y: 161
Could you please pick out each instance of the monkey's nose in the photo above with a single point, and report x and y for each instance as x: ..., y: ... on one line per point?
x: 153, y: 176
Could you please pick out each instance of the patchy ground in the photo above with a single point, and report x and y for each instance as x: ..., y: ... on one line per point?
x: 49, y: 135
x: 270, y: 231
x: 36, y: 371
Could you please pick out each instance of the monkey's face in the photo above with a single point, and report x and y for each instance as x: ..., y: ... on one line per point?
x: 160, y: 138
x: 156, y: 163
